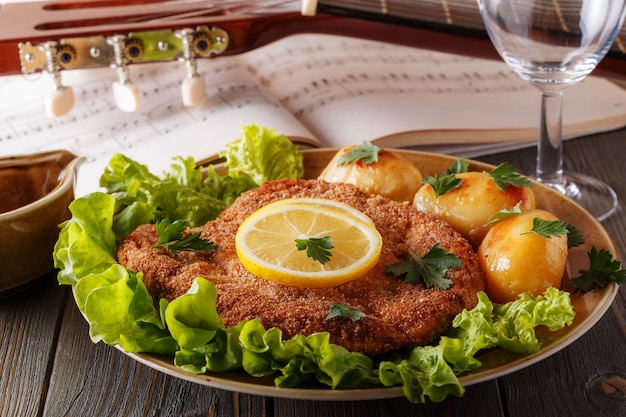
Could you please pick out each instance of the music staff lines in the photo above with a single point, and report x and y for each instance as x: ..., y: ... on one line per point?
x: 323, y: 91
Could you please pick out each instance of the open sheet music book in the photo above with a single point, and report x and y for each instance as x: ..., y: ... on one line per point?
x: 321, y: 91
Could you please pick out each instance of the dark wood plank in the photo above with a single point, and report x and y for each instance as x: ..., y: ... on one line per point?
x: 99, y: 380
x: 481, y: 399
x: 29, y: 323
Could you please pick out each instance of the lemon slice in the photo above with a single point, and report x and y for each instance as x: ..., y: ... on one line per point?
x: 266, y: 244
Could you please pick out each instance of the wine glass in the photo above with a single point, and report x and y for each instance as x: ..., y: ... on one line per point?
x: 554, y: 44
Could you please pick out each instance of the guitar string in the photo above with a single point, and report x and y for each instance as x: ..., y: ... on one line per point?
x: 450, y: 12
x: 456, y: 13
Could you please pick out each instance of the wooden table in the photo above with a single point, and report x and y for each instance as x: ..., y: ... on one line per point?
x: 51, y: 368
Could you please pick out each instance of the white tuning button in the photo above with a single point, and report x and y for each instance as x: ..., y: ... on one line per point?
x: 126, y: 96
x: 59, y: 101
x: 193, y: 90
x: 125, y: 93
x: 308, y: 7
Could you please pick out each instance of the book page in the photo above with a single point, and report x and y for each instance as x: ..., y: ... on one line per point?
x: 161, y: 129
x: 349, y: 90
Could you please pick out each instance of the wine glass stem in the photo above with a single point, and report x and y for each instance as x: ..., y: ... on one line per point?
x: 550, y: 150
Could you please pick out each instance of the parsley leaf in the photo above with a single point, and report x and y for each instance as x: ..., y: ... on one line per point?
x: 504, y: 174
x: 431, y: 268
x: 344, y: 312
x: 574, y: 237
x: 503, y: 214
x: 458, y: 167
x: 447, y: 181
x: 365, y: 152
x: 548, y: 228
x: 316, y: 248
x: 441, y: 184
x: 171, y: 239
x: 602, y: 270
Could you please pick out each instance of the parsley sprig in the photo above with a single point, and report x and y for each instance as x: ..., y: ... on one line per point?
x: 504, y: 214
x: 602, y: 270
x: 343, y: 311
x: 447, y: 181
x: 459, y: 166
x: 548, y: 228
x: 441, y: 184
x: 172, y: 240
x: 366, y: 152
x: 317, y: 248
x: 574, y: 237
x: 430, y: 268
x: 504, y: 174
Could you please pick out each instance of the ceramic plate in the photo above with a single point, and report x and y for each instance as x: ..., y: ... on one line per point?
x: 498, y: 362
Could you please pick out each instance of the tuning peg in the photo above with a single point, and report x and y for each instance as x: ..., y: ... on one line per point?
x: 308, y: 7
x: 193, y: 88
x: 125, y: 93
x: 60, y: 100
x: 126, y: 96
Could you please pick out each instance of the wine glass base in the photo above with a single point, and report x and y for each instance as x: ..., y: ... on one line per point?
x: 590, y: 193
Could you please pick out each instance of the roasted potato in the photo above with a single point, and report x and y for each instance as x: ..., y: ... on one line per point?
x: 515, y: 261
x: 392, y: 176
x: 469, y: 207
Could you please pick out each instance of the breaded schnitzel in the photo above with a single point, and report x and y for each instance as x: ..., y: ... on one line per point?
x: 397, y: 314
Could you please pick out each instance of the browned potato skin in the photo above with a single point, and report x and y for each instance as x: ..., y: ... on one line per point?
x: 471, y: 205
x: 393, y: 176
x: 514, y: 262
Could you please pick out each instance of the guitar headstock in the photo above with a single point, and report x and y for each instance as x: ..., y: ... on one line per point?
x: 52, y: 37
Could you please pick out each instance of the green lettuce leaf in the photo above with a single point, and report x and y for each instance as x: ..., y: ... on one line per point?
x: 424, y: 374
x: 515, y: 322
x: 86, y: 242
x: 192, y: 318
x: 510, y: 326
x: 263, y: 155
x: 131, y: 320
x: 225, y: 187
x: 142, y: 197
x: 474, y: 331
x: 303, y: 358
